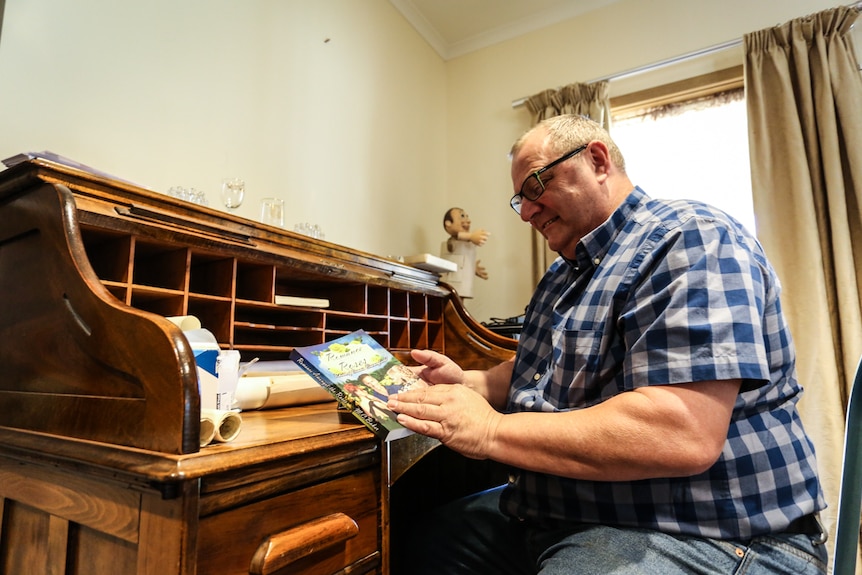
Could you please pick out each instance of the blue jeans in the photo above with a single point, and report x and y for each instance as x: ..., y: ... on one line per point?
x: 472, y: 537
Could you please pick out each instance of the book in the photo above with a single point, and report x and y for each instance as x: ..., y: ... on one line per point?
x: 431, y: 263
x: 360, y: 374
x: 301, y: 301
x: 58, y: 159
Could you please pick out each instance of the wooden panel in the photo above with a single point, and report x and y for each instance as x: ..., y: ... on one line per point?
x: 92, y: 551
x: 37, y: 543
x: 24, y: 546
x: 169, y: 533
x: 109, y: 508
x: 58, y: 545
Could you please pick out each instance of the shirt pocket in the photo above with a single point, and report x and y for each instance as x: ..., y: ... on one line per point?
x: 576, y: 368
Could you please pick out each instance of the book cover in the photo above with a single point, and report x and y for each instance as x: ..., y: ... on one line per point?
x: 360, y: 373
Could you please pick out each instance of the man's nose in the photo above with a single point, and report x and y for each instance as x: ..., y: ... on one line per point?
x: 528, y: 209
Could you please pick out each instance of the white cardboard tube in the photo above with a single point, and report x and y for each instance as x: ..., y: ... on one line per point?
x: 208, y: 430
x: 185, y: 322
x: 227, y: 423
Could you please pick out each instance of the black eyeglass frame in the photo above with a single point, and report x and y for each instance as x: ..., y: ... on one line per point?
x: 517, y: 199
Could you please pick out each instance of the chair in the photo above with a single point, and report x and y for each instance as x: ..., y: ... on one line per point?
x: 850, y: 494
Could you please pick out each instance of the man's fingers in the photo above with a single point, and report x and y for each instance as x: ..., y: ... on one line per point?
x: 432, y: 429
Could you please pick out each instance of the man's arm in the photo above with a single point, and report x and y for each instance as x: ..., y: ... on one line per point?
x: 656, y: 431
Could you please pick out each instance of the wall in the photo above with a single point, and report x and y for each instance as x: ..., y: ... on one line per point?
x: 337, y: 106
x: 620, y: 37
x: 312, y: 101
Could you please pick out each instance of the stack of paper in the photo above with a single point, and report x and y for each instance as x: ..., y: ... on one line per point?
x: 301, y: 301
x: 431, y: 263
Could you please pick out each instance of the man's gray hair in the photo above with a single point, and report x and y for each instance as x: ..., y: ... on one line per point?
x: 567, y: 132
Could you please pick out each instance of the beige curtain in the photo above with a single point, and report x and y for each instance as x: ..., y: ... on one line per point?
x: 804, y: 98
x: 589, y: 100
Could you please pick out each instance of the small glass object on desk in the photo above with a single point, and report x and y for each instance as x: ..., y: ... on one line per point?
x: 232, y: 193
x: 272, y: 212
x: 189, y: 194
x: 312, y: 230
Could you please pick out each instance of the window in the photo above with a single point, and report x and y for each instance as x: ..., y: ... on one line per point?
x: 694, y: 149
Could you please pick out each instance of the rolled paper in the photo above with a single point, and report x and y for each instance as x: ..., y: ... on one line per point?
x: 185, y: 322
x: 252, y: 392
x: 208, y: 429
x: 227, y: 423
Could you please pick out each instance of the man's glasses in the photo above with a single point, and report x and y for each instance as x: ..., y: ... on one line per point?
x: 533, y: 186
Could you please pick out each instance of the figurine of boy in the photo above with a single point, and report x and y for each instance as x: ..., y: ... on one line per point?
x: 460, y: 248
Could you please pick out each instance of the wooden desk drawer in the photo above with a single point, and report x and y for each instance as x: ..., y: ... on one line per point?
x: 228, y: 541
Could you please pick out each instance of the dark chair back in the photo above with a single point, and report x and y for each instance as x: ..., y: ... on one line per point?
x: 850, y: 495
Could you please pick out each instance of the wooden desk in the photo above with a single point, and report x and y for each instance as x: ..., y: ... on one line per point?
x: 100, y: 468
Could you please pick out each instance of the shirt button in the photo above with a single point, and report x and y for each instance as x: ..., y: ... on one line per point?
x: 537, y: 376
x: 597, y: 261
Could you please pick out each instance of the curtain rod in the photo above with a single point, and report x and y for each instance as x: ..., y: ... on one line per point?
x: 654, y: 65
x: 669, y: 61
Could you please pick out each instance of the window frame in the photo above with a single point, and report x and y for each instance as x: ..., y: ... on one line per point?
x: 636, y: 103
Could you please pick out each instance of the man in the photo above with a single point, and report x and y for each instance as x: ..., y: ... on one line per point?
x: 649, y: 415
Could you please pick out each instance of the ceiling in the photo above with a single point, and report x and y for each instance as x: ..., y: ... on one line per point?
x: 456, y: 27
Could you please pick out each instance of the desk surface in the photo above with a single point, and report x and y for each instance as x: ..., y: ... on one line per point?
x: 266, y: 436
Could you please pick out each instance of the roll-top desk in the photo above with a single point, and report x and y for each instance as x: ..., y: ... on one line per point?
x: 100, y: 468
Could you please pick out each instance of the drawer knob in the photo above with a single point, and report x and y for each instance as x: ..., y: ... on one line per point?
x: 284, y: 548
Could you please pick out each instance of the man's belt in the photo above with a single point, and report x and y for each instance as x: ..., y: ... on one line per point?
x: 808, y: 525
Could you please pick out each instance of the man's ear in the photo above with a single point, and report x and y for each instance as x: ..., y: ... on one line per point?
x: 600, y: 157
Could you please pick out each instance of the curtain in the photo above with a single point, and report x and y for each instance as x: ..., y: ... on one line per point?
x: 589, y: 100
x: 804, y: 100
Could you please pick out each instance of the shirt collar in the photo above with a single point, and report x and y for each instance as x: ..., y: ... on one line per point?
x: 592, y: 248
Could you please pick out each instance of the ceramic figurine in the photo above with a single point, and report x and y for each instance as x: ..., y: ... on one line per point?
x: 460, y: 248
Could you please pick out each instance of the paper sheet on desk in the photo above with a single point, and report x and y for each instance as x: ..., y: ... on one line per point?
x: 278, y: 390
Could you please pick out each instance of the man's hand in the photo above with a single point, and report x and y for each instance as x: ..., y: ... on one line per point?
x: 436, y: 368
x: 456, y: 415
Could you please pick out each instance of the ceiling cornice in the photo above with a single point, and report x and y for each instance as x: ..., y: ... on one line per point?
x: 530, y: 22
x: 421, y: 24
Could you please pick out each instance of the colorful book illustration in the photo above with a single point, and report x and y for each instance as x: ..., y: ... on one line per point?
x: 361, y: 374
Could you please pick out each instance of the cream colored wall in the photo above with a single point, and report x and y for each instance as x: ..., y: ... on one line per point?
x: 620, y: 37
x: 312, y: 101
x: 369, y: 134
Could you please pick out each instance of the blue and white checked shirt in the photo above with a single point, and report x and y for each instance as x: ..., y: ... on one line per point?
x: 668, y: 292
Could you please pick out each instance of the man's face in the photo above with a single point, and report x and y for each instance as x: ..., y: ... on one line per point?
x: 460, y: 222
x: 573, y: 203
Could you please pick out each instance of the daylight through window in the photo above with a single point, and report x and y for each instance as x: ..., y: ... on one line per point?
x: 693, y: 150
